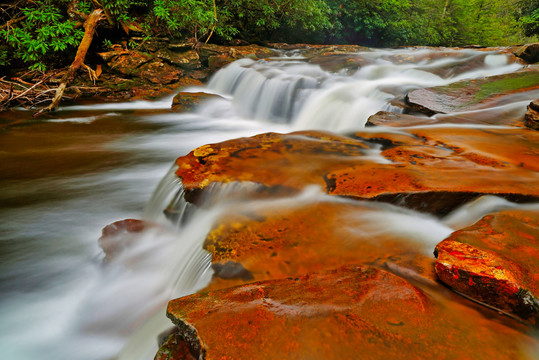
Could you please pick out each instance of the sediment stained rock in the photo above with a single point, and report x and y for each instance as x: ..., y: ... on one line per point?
x: 391, y: 166
x: 495, y: 261
x: 354, y: 312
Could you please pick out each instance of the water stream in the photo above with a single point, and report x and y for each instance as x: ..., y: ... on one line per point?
x: 66, y: 177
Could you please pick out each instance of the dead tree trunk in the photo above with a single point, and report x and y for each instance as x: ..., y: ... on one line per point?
x: 89, y: 30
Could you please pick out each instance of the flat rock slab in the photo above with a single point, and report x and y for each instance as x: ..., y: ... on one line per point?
x: 495, y: 261
x: 268, y: 240
x: 473, y: 94
x: 403, y: 166
x: 353, y: 312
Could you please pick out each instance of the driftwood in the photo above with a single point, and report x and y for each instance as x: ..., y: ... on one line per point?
x: 90, y: 26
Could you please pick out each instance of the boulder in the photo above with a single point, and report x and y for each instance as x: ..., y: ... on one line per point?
x: 496, y: 262
x: 133, y: 63
x: 474, y: 94
x: 120, y: 234
x: 529, y: 53
x: 347, y: 313
x: 186, y: 101
x: 421, y: 168
x: 188, y: 60
x: 531, y: 118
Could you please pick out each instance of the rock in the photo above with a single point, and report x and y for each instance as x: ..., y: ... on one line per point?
x: 120, y: 234
x: 134, y: 63
x: 287, y: 238
x: 529, y: 53
x: 158, y: 72
x: 413, y: 167
x: 186, y: 101
x: 174, y: 348
x: 495, y: 261
x: 531, y: 118
x: 384, y: 118
x: 188, y: 60
x: 217, y: 56
x: 348, y: 313
x: 473, y: 94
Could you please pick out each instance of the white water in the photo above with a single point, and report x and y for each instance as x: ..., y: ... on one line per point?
x: 59, y: 301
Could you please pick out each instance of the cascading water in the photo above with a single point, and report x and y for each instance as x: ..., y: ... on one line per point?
x: 52, y: 274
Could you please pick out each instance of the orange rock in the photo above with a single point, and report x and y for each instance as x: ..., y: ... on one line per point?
x: 278, y: 240
x: 353, y: 312
x: 495, y: 261
x: 413, y: 163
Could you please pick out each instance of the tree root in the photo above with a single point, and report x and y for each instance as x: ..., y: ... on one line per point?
x: 90, y: 26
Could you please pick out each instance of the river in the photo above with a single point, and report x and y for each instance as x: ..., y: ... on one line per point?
x: 66, y: 176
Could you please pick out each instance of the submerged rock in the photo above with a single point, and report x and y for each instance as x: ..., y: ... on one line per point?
x: 473, y: 94
x: 415, y: 167
x: 495, y: 261
x: 348, y: 313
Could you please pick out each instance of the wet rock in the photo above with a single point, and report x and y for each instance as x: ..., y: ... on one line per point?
x: 474, y: 94
x: 120, y: 234
x: 393, y: 166
x: 496, y: 262
x: 529, y: 53
x: 384, y: 118
x: 174, y: 349
x: 372, y: 313
x: 286, y: 238
x: 186, y: 101
x: 531, y: 118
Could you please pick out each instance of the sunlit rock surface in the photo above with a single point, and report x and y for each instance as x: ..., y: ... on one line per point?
x: 495, y: 261
x: 474, y: 94
x: 269, y: 240
x: 529, y: 52
x: 348, y: 313
x: 405, y: 166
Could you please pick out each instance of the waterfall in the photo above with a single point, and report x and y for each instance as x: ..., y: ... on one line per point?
x: 95, y: 310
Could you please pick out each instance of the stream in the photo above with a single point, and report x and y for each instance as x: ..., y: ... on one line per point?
x: 66, y: 176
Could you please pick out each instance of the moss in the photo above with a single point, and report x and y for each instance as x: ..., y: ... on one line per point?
x: 513, y: 83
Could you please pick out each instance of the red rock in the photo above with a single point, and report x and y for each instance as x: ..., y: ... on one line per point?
x: 279, y: 240
x: 118, y: 235
x: 349, y: 313
x: 495, y: 261
x: 174, y: 349
x: 413, y: 164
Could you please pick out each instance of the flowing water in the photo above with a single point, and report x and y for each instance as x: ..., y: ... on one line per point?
x: 66, y: 177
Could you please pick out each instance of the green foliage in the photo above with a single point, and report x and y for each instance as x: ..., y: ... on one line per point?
x: 528, y: 16
x: 45, y: 30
